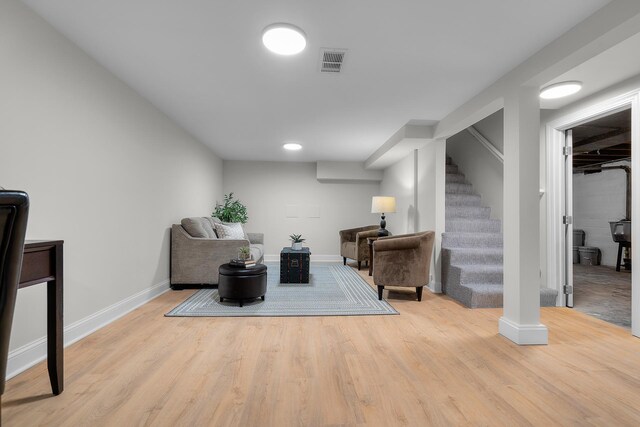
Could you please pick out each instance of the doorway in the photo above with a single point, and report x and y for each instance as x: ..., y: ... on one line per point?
x: 601, y: 217
x: 559, y: 197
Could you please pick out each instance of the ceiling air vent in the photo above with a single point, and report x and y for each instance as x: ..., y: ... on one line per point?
x: 331, y: 60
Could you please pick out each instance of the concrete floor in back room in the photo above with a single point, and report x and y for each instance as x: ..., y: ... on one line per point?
x: 602, y: 292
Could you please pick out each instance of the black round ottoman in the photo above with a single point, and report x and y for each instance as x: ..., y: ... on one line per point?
x: 242, y: 283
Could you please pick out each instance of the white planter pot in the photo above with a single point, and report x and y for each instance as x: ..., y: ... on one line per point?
x: 296, y: 246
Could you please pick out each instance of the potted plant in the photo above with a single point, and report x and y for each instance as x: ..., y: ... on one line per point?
x: 231, y: 210
x: 296, y: 241
x: 244, y: 253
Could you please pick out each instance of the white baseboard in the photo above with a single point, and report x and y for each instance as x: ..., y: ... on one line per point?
x: 435, y: 287
x: 314, y: 258
x: 35, y: 352
x: 523, y: 334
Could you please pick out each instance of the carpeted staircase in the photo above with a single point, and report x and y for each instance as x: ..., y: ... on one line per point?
x: 472, y: 266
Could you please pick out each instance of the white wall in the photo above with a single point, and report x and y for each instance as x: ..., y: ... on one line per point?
x: 492, y: 128
x: 275, y: 191
x: 399, y: 181
x: 106, y: 172
x: 597, y: 199
x: 480, y: 167
x: 411, y: 181
x: 426, y: 187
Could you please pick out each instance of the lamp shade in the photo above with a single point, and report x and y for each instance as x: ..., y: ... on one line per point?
x: 383, y: 204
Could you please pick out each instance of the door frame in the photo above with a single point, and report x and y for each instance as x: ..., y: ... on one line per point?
x: 568, y: 212
x: 554, y: 141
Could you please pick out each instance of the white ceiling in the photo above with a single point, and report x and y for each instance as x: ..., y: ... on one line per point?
x: 610, y: 67
x: 202, y: 63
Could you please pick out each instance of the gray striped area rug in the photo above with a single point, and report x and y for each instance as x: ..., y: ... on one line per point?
x: 333, y: 290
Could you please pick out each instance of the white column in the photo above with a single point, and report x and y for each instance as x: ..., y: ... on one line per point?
x: 521, y: 318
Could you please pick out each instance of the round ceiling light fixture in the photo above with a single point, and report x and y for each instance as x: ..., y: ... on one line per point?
x: 292, y: 146
x: 560, y: 90
x: 284, y: 39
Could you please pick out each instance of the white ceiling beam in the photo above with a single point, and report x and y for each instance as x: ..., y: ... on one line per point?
x: 401, y: 143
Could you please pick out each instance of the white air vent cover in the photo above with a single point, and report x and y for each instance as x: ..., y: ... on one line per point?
x: 331, y: 60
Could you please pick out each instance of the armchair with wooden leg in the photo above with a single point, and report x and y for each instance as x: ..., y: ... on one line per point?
x: 353, y: 243
x: 14, y: 209
x: 403, y: 261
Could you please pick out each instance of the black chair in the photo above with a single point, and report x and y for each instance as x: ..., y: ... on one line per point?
x: 14, y: 210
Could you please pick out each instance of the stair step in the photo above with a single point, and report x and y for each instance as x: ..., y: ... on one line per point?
x: 452, y: 168
x: 480, y: 274
x: 455, y: 177
x: 477, y: 256
x: 488, y: 295
x: 453, y: 199
x: 458, y: 188
x: 452, y: 212
x: 484, y: 295
x: 473, y: 225
x: 453, y: 240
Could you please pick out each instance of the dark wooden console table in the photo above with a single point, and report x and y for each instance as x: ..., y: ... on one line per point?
x: 42, y: 262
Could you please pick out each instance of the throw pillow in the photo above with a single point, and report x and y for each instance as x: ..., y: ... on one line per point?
x: 212, y: 222
x: 198, y: 227
x: 230, y: 231
x: 208, y: 228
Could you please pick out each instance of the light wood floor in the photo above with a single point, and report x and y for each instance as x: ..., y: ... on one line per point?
x: 435, y: 364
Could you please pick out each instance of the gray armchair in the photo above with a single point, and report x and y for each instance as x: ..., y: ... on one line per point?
x: 403, y: 260
x: 353, y: 243
x: 196, y: 255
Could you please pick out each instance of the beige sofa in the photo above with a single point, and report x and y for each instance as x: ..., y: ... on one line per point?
x: 197, y: 252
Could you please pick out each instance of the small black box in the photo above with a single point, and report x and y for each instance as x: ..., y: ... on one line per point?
x: 294, y: 265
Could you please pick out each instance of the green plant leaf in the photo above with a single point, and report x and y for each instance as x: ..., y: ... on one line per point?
x: 231, y: 210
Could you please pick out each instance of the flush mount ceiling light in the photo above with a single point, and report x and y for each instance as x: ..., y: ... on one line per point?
x: 284, y: 39
x: 292, y: 146
x: 560, y: 90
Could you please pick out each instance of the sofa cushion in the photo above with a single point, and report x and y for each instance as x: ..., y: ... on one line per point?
x: 208, y: 227
x: 212, y: 222
x: 198, y: 227
x: 231, y: 231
